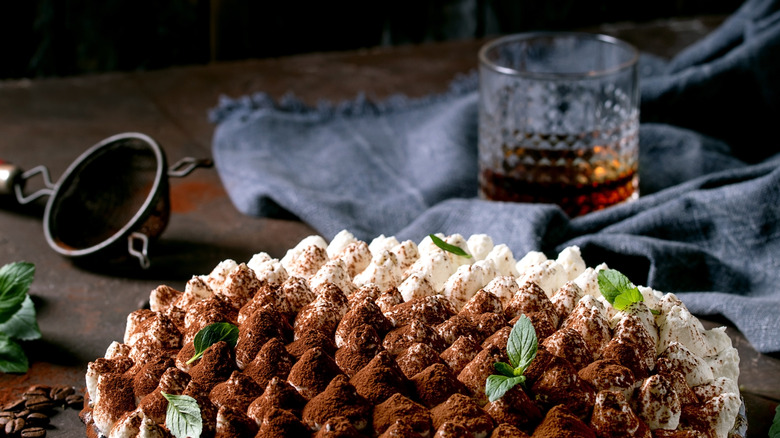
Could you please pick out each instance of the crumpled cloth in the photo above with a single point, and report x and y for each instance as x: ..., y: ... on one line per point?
x: 706, y: 226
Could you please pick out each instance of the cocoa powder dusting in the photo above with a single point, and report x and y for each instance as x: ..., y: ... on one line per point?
x: 515, y: 408
x: 462, y: 410
x: 399, y: 407
x: 460, y: 353
x: 505, y: 430
x: 339, y: 399
x: 400, y: 429
x: 380, y: 379
x: 417, y: 358
x: 436, y: 384
x: 237, y: 392
x: 271, y: 361
x: 312, y: 373
x: 119, y: 389
x: 338, y: 427
x: 360, y: 346
x: 215, y: 366
x: 311, y: 339
x: 560, y: 384
x: 277, y: 394
x: 560, y: 423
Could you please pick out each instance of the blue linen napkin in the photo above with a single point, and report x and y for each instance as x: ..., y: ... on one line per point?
x: 706, y: 227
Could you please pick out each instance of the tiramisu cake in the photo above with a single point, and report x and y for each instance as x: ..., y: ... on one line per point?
x: 448, y: 337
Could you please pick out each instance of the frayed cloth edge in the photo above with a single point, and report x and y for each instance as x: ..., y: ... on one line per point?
x: 359, y: 106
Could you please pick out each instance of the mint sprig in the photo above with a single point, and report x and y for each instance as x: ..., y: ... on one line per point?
x: 211, y: 334
x: 449, y: 247
x: 618, y: 289
x: 774, y: 430
x: 521, y: 349
x: 182, y: 417
x: 18, y: 320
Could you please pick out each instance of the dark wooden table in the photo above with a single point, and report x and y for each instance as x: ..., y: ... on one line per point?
x: 52, y: 121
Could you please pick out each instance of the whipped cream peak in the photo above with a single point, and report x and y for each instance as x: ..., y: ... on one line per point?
x: 504, y: 287
x: 382, y: 243
x: 268, y: 270
x: 334, y: 272
x: 678, y: 325
x: 571, y: 260
x: 549, y: 275
x: 695, y: 369
x: 659, y: 405
x: 339, y: 243
x: 480, y: 246
x: 383, y: 271
x: 532, y: 258
x: 294, y: 253
x: 220, y: 272
x: 643, y: 315
x: 416, y: 285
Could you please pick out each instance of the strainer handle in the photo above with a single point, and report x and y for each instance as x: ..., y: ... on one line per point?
x: 141, y: 254
x: 46, y: 191
x: 186, y: 165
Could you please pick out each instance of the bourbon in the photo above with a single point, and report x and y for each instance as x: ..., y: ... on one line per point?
x: 579, y: 182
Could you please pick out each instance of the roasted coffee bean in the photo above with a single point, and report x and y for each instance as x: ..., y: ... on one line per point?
x: 75, y: 401
x: 39, y: 403
x: 23, y: 414
x: 37, y: 419
x: 59, y: 393
x: 5, y: 417
x: 14, y: 427
x: 35, y: 391
x: 33, y: 432
x: 15, y: 405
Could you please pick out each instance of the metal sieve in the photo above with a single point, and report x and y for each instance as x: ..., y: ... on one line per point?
x: 111, y: 201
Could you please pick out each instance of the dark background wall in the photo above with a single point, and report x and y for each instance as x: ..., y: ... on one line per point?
x: 65, y: 37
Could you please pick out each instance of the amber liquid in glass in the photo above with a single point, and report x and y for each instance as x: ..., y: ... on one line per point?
x: 580, y: 181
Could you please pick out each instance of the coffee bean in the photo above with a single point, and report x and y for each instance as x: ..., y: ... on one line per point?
x: 37, y: 419
x: 15, y: 405
x: 39, y: 387
x: 33, y: 432
x: 22, y: 414
x: 39, y: 403
x: 14, y: 427
x: 35, y: 391
x: 59, y: 393
x: 75, y: 401
x: 4, y: 419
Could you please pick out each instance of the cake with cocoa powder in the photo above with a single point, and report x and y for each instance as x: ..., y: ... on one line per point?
x: 399, y: 339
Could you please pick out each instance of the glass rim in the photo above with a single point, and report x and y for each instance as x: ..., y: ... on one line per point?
x: 608, y: 39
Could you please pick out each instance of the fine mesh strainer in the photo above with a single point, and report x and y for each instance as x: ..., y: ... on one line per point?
x: 112, y: 200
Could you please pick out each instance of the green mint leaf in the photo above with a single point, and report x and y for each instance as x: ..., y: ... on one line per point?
x: 774, y: 430
x: 613, y: 283
x: 496, y: 386
x: 182, y: 418
x: 522, y: 344
x: 211, y: 334
x: 505, y: 369
x: 634, y: 295
x: 618, y: 289
x: 15, y: 281
x: 448, y: 247
x: 23, y: 324
x: 621, y: 302
x: 12, y: 357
